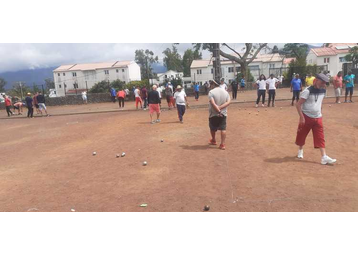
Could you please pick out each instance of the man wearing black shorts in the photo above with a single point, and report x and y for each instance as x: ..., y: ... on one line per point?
x: 219, y: 100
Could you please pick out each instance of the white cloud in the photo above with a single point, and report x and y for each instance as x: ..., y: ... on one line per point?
x: 16, y: 56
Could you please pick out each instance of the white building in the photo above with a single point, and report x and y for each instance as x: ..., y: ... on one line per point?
x: 333, y: 56
x: 168, y: 75
x: 69, y: 78
x: 202, y: 70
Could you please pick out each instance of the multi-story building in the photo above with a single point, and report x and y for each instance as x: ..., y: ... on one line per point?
x: 78, y: 77
x: 331, y: 55
x: 202, y: 70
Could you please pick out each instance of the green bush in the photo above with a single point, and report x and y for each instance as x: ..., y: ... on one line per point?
x: 104, y: 86
x: 248, y: 77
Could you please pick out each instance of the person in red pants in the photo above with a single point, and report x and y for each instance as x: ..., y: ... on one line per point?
x: 309, y: 109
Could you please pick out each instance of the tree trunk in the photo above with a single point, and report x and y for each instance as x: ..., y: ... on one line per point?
x: 244, y: 72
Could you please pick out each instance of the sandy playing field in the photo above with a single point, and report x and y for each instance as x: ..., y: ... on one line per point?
x: 47, y: 163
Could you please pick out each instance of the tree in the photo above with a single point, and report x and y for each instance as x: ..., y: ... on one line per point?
x: 353, y: 56
x: 104, y: 86
x: 35, y: 88
x: 172, y: 59
x: 250, y: 52
x: 49, y: 83
x: 2, y: 84
x: 188, y: 57
x: 274, y: 49
x: 144, y: 59
x: 296, y: 50
x: 19, y: 89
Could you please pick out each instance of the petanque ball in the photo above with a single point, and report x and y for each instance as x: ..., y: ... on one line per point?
x: 145, y: 163
x: 94, y: 153
x: 206, y: 208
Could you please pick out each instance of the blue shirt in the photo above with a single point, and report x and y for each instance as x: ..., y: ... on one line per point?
x: 350, y: 80
x: 296, y: 84
x: 242, y: 82
x: 196, y: 87
x: 113, y: 92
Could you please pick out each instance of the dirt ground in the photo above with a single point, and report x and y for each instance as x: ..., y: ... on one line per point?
x: 47, y: 163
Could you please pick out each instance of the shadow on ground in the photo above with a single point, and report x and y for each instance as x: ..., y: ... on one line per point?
x: 198, y: 147
x: 289, y: 159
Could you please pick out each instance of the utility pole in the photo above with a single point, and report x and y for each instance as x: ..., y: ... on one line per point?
x: 216, y: 62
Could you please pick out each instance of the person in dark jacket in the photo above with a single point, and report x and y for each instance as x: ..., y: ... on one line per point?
x: 41, y: 103
x: 154, y: 104
x: 30, y: 109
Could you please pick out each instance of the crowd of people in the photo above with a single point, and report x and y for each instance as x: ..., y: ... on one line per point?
x: 36, y: 101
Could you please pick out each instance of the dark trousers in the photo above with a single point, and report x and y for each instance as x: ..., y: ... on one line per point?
x: 261, y: 93
x: 206, y: 90
x: 145, y: 101
x: 196, y: 94
x: 234, y: 93
x: 121, y: 102
x: 30, y: 112
x: 272, y: 94
x: 181, y: 111
x: 296, y: 95
x: 8, y: 110
x: 113, y: 99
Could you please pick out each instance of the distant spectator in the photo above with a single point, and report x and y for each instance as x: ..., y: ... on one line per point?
x: 196, y: 91
x: 154, y: 104
x: 35, y: 103
x: 144, y: 96
x: 169, y: 96
x: 338, y: 84
x: 137, y: 98
x: 206, y: 87
x: 121, y: 95
x: 296, y: 88
x: 309, y: 80
x: 272, y: 83
x: 181, y: 101
x: 261, y: 85
x: 8, y: 106
x: 84, y: 97
x: 223, y: 84
x: 41, y: 101
x: 242, y: 84
x: 113, y: 94
x: 29, y: 105
x: 349, y: 82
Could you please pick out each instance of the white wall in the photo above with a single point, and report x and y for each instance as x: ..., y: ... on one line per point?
x: 126, y: 74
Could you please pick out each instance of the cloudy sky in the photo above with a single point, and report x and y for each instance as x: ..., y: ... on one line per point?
x: 15, y: 56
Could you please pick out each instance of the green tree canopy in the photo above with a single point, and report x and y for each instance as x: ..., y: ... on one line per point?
x: 2, y: 84
x: 172, y: 59
x: 49, y: 83
x: 144, y: 58
x: 353, y: 56
x: 104, y: 86
x: 296, y: 50
x: 188, y: 57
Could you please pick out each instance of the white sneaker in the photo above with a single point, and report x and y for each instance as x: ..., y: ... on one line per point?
x: 257, y: 105
x: 300, y: 154
x: 327, y: 160
x: 263, y: 105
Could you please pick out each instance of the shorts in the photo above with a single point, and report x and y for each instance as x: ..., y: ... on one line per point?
x: 169, y: 99
x: 349, y: 90
x: 42, y: 106
x: 154, y: 108
x: 217, y: 123
x: 296, y: 93
x: 338, y: 92
x: 242, y: 86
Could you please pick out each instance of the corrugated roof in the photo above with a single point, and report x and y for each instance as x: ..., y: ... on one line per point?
x: 200, y: 63
x: 333, y: 49
x: 324, y: 51
x: 93, y: 66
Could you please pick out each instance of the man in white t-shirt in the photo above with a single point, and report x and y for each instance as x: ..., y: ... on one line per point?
x: 272, y: 83
x: 138, y: 99
x: 180, y: 101
x: 160, y: 90
x: 223, y: 84
x: 309, y: 109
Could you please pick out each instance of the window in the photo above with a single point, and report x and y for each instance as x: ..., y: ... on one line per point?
x: 64, y: 74
x: 59, y: 85
x: 165, y: 76
x: 212, y: 70
x: 58, y: 74
x: 198, y: 71
x: 122, y: 70
x: 74, y: 74
x: 237, y: 69
x: 75, y: 85
x: 272, y: 65
x: 326, y: 60
x: 117, y: 70
x: 343, y: 59
x: 106, y: 72
x: 230, y: 69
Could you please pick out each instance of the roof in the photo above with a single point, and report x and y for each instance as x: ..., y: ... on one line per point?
x: 333, y: 49
x: 259, y: 58
x: 93, y: 66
